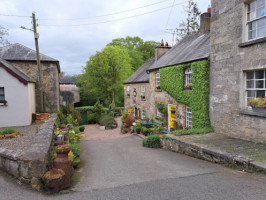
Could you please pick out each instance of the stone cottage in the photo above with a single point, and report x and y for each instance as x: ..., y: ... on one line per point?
x: 238, y: 67
x: 24, y: 59
x: 144, y: 89
x: 69, y: 92
x: 17, y: 96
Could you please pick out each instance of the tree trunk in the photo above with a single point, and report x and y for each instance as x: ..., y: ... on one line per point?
x: 113, y: 101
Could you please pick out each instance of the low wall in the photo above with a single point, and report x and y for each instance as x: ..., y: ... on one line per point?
x: 176, y: 144
x: 33, y: 162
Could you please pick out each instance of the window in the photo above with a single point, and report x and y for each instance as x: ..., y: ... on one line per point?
x: 256, y: 84
x: 188, y: 117
x: 143, y: 116
x: 188, y: 74
x: 159, y: 114
x: 256, y: 20
x: 128, y: 91
x: 2, y: 95
x: 157, y: 80
x: 143, y: 92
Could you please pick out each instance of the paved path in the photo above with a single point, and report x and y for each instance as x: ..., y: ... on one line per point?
x: 121, y: 169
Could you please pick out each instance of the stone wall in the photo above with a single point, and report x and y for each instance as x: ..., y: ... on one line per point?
x: 33, y: 162
x: 50, y: 82
x: 229, y: 61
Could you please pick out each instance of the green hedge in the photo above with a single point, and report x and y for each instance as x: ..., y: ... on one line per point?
x: 192, y: 131
x: 153, y: 141
x: 172, y: 80
x: 6, y: 131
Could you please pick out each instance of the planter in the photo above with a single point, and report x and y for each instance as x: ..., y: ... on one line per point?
x: 62, y: 162
x: 259, y: 109
x: 54, y: 184
x: 102, y: 128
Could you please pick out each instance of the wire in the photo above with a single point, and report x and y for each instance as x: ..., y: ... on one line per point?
x: 14, y: 16
x: 97, y: 16
x: 95, y: 23
x: 170, y: 14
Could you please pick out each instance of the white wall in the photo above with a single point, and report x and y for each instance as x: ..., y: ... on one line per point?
x: 32, y: 98
x: 19, y: 101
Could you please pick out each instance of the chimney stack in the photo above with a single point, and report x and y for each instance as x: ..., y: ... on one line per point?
x: 161, y: 50
x: 205, y: 21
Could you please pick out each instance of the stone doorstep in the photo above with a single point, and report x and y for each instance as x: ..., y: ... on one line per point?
x: 210, y: 154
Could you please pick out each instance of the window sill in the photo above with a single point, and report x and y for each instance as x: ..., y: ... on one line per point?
x: 256, y: 41
x: 143, y: 99
x: 251, y: 113
x: 158, y: 90
x: 187, y: 90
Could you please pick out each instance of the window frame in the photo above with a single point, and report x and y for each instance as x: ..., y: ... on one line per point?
x: 188, y: 76
x: 188, y: 117
x: 255, y: 89
x: 142, y: 91
x: 143, y: 114
x: 256, y: 19
x: 128, y: 91
x: 157, y: 80
x: 3, y: 95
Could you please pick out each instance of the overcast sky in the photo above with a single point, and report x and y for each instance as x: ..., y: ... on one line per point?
x: 73, y: 45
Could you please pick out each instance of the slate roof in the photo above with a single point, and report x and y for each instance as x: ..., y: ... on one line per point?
x: 191, y: 48
x: 141, y: 75
x: 67, y: 80
x: 15, y: 72
x: 20, y: 52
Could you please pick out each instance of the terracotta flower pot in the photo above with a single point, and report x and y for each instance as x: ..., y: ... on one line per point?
x: 2, y: 136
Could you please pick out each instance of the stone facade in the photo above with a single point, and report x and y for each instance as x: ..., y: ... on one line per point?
x: 50, y: 82
x: 231, y: 57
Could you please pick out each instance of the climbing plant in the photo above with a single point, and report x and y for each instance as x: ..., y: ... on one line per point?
x: 173, y: 80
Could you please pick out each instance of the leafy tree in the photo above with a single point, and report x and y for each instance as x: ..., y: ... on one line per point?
x: 191, y: 24
x: 105, y: 73
x: 3, y: 33
x: 148, y: 49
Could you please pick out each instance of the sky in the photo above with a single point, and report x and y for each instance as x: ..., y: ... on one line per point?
x: 73, y: 30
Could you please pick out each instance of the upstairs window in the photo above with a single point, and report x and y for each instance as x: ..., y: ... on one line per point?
x: 256, y: 19
x: 256, y: 84
x: 2, y: 95
x: 128, y: 91
x: 157, y: 80
x: 188, y: 74
x: 143, y: 92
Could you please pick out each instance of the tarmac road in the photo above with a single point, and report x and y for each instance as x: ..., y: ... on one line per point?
x: 121, y: 169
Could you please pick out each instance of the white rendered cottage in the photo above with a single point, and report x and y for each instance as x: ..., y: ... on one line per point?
x: 17, y: 96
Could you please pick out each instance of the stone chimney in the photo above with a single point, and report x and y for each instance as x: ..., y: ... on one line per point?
x: 161, y: 50
x: 205, y: 21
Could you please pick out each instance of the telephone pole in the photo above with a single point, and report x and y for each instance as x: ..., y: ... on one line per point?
x: 40, y: 82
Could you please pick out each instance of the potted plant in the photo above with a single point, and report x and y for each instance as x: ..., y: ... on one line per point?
x: 188, y: 87
x: 158, y: 87
x: 142, y: 97
x: 258, y: 104
x: 54, y: 179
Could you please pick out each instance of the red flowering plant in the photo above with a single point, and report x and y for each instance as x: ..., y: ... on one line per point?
x: 63, y: 146
x: 129, y: 121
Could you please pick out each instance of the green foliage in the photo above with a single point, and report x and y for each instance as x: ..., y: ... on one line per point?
x: 138, y: 125
x: 124, y: 116
x: 76, y: 129
x: 152, y: 141
x: 67, y: 115
x: 81, y: 128
x: 98, y: 108
x: 87, y: 108
x: 193, y: 131
x: 108, y: 121
x: 75, y: 148
x: 173, y: 80
x: 6, y: 131
x: 92, y: 118
x: 162, y: 109
x: 257, y: 102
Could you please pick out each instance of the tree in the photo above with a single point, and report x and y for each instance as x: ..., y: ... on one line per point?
x: 105, y: 73
x: 191, y: 24
x: 3, y: 33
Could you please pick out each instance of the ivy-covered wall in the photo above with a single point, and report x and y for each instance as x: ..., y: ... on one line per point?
x: 172, y: 80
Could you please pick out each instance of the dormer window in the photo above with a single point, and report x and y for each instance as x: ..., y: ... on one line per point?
x: 157, y: 81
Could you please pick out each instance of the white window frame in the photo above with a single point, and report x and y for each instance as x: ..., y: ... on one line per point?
x: 188, y: 74
x: 143, y: 114
x: 143, y: 90
x: 255, y: 20
x: 2, y: 95
x: 252, y: 91
x: 188, y: 117
x: 157, y: 79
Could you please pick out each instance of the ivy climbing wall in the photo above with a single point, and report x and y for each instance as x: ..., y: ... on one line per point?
x: 173, y: 80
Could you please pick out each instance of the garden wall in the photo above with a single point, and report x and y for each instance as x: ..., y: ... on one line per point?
x: 33, y: 162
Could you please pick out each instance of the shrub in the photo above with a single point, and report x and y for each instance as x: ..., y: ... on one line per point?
x: 129, y: 121
x: 124, y: 116
x: 193, y: 131
x: 138, y: 125
x: 152, y: 141
x: 76, y: 129
x: 108, y: 121
x: 81, y: 128
x: 258, y: 102
x: 92, y: 118
x: 6, y: 131
x: 98, y: 108
x: 75, y: 148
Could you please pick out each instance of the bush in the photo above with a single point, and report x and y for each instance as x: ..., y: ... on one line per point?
x: 129, y: 121
x: 193, y: 131
x: 124, y: 116
x: 98, y: 108
x: 75, y: 148
x: 108, y: 121
x: 92, y: 118
x: 81, y: 128
x: 138, y: 125
x: 6, y: 131
x: 152, y: 141
x: 76, y: 129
